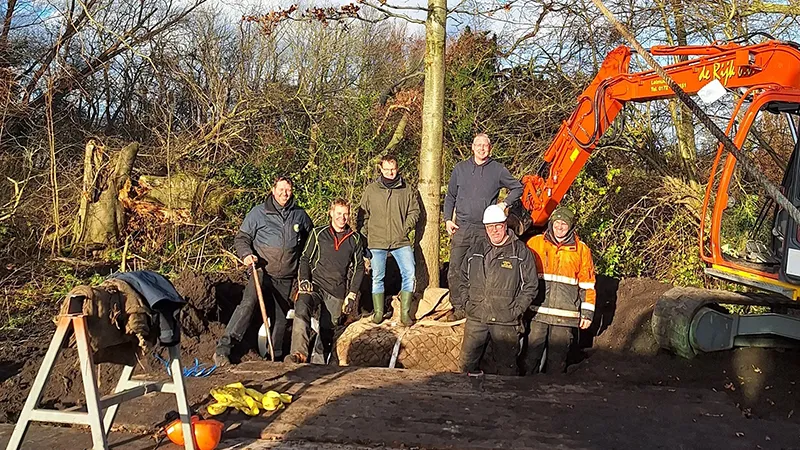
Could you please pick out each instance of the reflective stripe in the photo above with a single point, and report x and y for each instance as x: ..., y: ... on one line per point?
x: 560, y: 279
x: 557, y: 312
x: 587, y: 306
x: 586, y: 285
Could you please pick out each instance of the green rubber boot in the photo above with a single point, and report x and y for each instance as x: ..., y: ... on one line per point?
x: 405, y: 308
x: 378, y: 305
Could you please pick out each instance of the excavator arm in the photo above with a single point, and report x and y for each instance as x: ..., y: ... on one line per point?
x: 771, y: 64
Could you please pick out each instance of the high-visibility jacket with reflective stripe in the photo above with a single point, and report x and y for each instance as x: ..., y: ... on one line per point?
x: 568, y: 273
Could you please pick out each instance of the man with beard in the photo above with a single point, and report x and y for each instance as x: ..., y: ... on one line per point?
x: 271, y: 236
x: 565, y: 264
x: 330, y: 274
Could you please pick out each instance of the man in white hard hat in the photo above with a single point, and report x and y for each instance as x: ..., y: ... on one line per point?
x: 498, y: 282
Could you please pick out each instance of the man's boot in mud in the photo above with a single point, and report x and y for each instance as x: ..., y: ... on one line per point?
x: 378, y: 305
x: 405, y: 308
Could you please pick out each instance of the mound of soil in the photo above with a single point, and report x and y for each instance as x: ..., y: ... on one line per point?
x: 624, y: 311
x: 211, y: 300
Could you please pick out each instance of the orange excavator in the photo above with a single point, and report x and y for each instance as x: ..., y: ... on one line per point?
x: 762, y: 84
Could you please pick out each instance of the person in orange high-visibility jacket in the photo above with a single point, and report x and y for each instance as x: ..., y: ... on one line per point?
x: 565, y: 265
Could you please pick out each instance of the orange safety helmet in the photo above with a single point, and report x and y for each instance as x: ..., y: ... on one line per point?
x: 207, y: 432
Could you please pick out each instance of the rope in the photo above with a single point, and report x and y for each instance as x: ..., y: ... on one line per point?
x: 750, y: 168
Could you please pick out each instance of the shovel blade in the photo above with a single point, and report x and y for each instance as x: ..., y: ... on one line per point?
x: 263, y: 345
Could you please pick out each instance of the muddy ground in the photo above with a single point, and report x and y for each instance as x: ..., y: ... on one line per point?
x: 618, y: 350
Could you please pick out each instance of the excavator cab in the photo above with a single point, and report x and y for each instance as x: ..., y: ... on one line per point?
x: 745, y: 237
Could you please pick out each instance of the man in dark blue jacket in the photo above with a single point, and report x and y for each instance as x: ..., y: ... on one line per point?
x: 474, y: 185
x: 272, y: 235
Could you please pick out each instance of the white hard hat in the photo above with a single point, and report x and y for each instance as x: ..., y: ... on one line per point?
x: 494, y: 214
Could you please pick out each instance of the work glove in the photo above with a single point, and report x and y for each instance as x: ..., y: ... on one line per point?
x: 249, y: 260
x: 305, y: 287
x: 349, y: 305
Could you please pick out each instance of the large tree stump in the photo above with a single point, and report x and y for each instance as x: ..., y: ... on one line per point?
x: 101, y: 217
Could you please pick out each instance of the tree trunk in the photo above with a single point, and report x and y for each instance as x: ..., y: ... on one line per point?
x: 681, y: 115
x: 101, y: 218
x: 399, y: 132
x: 430, y: 160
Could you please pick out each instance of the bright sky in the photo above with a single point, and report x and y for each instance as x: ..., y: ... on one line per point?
x: 455, y: 22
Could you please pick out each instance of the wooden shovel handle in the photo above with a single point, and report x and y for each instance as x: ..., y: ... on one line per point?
x: 263, y: 310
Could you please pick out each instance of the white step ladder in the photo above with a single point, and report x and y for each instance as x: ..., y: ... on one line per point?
x: 92, y: 413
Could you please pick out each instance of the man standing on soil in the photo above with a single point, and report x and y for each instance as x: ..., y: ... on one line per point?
x: 272, y: 236
x: 498, y: 283
x: 565, y: 264
x: 331, y: 252
x: 474, y: 185
x: 389, y: 211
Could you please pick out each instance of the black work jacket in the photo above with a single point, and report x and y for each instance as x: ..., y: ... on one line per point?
x: 498, y: 283
x: 333, y: 261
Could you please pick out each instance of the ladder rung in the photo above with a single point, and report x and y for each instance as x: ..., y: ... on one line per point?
x: 51, y: 415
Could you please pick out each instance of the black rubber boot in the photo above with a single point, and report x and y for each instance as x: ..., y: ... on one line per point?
x: 378, y: 305
x: 405, y: 308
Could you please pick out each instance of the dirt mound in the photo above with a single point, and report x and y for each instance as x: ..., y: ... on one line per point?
x: 624, y: 313
x: 211, y: 300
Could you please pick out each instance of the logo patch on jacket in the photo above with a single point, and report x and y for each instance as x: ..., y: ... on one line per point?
x: 296, y: 228
x: 506, y: 265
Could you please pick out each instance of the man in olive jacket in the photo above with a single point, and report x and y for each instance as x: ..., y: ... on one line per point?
x: 272, y: 235
x: 498, y: 282
x: 389, y: 211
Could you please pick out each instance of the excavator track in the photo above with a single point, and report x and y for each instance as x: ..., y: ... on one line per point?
x: 687, y: 321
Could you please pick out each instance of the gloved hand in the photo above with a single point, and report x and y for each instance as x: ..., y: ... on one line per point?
x: 249, y: 260
x: 349, y: 305
x: 305, y: 287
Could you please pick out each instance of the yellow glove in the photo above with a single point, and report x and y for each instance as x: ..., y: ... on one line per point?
x: 247, y: 400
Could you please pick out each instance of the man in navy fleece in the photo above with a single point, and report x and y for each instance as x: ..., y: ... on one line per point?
x: 474, y: 185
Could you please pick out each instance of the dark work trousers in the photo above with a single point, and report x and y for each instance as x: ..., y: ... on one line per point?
x: 330, y: 311
x: 553, y: 338
x: 505, y: 346
x: 464, y: 237
x: 277, y: 292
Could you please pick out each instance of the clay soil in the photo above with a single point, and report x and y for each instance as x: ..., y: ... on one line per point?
x: 617, y: 351
x: 211, y: 300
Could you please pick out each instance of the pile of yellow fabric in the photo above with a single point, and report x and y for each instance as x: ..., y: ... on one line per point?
x: 246, y: 400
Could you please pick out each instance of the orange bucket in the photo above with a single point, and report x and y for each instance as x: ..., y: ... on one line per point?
x: 207, y: 432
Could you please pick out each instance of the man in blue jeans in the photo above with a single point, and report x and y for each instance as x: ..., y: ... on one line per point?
x: 389, y: 211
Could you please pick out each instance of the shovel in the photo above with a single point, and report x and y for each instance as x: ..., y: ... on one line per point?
x: 264, y: 336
